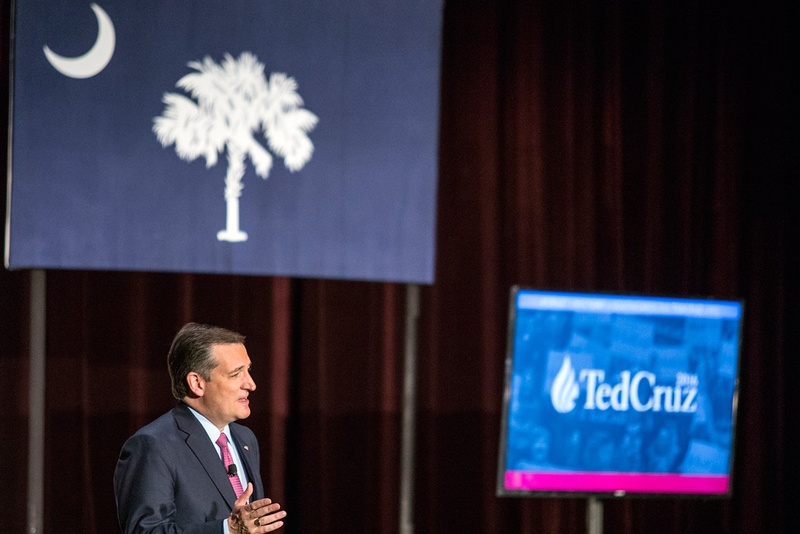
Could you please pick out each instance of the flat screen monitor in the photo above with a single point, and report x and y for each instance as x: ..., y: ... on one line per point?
x: 619, y: 395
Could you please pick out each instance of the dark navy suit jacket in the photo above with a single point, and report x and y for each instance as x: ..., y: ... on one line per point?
x: 169, y: 477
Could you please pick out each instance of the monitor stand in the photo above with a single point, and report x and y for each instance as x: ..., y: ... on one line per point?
x: 594, y: 516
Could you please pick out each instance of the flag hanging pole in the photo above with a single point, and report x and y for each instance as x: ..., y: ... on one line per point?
x: 409, y: 411
x: 36, y: 408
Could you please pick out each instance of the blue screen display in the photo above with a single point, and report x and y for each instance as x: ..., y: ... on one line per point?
x: 620, y: 394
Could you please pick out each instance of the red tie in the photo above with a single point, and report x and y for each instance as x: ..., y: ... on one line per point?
x: 227, y: 461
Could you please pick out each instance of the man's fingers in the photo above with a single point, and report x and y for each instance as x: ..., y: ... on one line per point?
x: 271, y: 521
x: 242, y: 500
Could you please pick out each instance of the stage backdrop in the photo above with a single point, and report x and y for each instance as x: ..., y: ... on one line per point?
x: 250, y: 137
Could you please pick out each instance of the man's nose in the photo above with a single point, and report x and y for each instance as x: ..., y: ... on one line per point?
x: 249, y: 384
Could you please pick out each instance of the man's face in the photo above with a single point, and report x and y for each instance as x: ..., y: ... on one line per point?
x: 225, y: 396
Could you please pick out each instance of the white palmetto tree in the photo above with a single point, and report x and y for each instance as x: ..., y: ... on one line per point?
x: 235, y: 102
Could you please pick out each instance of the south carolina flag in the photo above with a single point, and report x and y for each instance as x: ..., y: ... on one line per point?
x: 274, y: 137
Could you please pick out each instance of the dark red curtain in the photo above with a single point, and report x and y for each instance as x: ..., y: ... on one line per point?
x: 641, y: 147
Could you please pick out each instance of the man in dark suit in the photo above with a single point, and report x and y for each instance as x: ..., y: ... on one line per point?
x: 187, y: 471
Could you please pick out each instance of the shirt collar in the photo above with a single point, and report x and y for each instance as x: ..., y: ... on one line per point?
x: 210, y: 428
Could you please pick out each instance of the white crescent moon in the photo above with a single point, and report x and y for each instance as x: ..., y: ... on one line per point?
x: 93, y: 61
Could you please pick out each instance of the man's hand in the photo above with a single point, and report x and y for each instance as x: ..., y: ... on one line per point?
x: 256, y: 517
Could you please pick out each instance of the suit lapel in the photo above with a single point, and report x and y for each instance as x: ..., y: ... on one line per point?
x: 199, y: 444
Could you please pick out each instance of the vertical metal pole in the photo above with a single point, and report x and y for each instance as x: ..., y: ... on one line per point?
x: 409, y: 411
x: 36, y: 403
x: 594, y: 516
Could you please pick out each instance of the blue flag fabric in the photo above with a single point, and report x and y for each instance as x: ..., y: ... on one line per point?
x: 273, y: 137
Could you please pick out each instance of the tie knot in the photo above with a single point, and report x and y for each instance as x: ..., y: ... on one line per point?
x: 222, y: 440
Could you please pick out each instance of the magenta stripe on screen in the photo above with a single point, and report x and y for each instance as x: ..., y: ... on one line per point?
x: 611, y: 482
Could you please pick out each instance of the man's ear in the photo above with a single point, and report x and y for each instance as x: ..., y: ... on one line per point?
x: 197, y: 384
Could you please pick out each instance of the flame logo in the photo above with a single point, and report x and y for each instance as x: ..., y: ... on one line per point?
x: 564, y: 390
